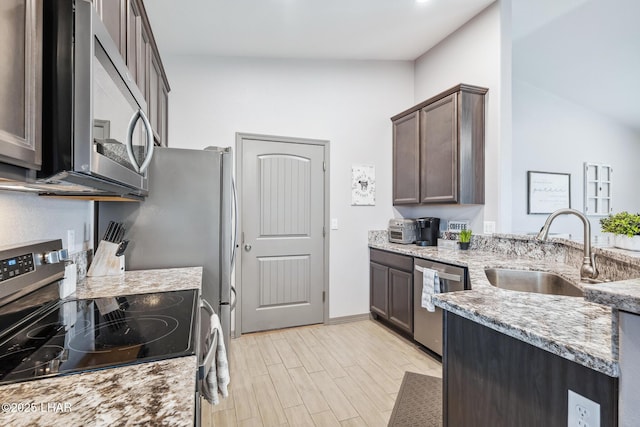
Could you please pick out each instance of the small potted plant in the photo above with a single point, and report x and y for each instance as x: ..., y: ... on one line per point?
x: 464, y: 239
x: 625, y: 228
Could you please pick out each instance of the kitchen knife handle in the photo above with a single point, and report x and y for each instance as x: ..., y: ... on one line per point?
x: 108, y: 231
x: 122, y: 247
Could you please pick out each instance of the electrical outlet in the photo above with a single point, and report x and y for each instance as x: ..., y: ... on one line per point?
x: 582, y: 412
x: 489, y: 227
x: 71, y: 240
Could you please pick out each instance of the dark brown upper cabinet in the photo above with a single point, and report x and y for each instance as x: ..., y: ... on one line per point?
x: 128, y: 25
x: 114, y: 16
x: 21, y: 83
x: 438, y: 149
x: 406, y: 159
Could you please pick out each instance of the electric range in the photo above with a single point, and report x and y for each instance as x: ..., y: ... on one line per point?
x: 42, y: 336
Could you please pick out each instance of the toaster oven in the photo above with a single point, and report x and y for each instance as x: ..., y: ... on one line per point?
x: 402, y: 230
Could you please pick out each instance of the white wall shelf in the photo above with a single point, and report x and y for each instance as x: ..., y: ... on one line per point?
x: 598, y: 180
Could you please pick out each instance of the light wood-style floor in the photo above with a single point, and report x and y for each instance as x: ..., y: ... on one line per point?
x: 335, y: 375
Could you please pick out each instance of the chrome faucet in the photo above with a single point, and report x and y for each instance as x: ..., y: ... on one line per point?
x: 588, y: 269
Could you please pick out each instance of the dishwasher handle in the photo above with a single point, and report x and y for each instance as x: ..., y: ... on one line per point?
x: 442, y: 274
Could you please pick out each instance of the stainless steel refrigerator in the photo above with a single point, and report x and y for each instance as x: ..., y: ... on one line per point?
x: 187, y: 220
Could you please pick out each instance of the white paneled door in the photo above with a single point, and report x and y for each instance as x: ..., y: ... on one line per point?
x: 283, y: 237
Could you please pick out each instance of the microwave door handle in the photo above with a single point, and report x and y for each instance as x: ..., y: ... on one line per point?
x: 149, y: 145
x: 129, y: 142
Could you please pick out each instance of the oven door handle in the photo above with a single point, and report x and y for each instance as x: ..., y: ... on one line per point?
x: 203, y: 369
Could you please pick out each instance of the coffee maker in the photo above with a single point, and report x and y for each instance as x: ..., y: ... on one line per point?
x: 428, y: 231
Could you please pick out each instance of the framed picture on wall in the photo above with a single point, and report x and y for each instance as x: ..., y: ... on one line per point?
x: 363, y: 185
x: 548, y: 192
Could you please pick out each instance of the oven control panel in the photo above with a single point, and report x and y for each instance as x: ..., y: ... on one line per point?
x: 16, y: 266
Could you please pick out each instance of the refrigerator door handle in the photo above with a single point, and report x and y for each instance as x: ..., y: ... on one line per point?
x: 235, y: 298
x: 235, y: 223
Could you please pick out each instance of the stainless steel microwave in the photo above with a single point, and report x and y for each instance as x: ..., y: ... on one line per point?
x: 97, y: 139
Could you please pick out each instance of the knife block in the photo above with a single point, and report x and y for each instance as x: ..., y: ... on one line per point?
x: 105, y: 262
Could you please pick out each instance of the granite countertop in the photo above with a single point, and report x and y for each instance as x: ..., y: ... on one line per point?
x: 569, y: 327
x: 157, y: 393
x: 152, y: 393
x: 139, y: 282
x: 623, y: 295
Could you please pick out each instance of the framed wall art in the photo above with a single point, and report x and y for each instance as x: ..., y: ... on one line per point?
x: 548, y: 192
x: 363, y: 185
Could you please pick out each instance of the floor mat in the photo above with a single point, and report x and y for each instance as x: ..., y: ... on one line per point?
x: 419, y: 402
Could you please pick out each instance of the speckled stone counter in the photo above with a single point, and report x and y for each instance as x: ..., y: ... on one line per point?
x: 152, y: 393
x: 156, y: 393
x: 570, y: 327
x: 139, y: 282
x: 624, y: 295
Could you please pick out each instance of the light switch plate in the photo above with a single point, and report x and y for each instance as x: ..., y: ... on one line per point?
x: 71, y: 240
x: 489, y: 227
x: 334, y: 223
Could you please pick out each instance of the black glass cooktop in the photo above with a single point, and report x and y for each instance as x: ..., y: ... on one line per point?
x: 80, y: 335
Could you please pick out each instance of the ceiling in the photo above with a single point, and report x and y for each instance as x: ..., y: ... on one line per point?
x: 586, y: 51
x: 308, y: 29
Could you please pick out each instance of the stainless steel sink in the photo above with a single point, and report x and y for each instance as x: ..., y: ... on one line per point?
x: 539, y: 282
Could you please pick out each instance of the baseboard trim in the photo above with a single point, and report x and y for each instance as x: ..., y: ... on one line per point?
x: 348, y: 319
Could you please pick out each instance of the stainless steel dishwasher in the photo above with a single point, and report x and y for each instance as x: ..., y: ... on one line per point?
x: 427, y: 326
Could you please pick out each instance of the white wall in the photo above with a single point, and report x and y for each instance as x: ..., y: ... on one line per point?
x: 506, y: 133
x: 470, y: 55
x: 348, y: 103
x: 573, y: 100
x: 553, y: 134
x: 25, y: 217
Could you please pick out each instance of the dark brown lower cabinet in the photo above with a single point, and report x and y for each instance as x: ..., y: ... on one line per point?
x: 379, y: 289
x: 391, y: 288
x: 491, y: 379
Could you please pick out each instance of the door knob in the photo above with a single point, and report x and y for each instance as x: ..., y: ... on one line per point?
x: 247, y: 248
